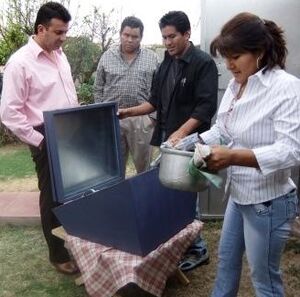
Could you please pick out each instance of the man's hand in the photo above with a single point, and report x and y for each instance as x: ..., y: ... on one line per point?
x: 187, y: 128
x: 41, y: 145
x: 176, y: 137
x: 144, y: 108
x: 123, y: 113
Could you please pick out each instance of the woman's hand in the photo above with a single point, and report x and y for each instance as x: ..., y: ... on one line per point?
x: 222, y: 157
x: 219, y: 158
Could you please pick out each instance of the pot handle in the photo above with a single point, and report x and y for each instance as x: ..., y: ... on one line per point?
x: 155, y: 162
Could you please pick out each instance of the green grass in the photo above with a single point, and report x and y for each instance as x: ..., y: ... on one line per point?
x: 15, y: 162
x: 25, y: 270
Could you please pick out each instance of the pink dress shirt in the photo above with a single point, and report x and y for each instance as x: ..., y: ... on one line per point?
x: 34, y: 82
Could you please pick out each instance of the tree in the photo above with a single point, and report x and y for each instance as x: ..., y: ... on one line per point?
x: 95, y: 35
x: 83, y: 56
x: 13, y: 39
x: 23, y: 12
x: 101, y: 27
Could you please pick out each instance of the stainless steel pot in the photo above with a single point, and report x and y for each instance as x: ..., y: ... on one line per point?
x: 174, y: 172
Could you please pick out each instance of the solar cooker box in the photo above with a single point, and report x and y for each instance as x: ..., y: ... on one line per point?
x: 96, y: 202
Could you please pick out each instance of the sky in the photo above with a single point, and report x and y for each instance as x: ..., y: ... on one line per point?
x: 148, y: 11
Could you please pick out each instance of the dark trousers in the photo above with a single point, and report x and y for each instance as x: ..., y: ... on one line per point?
x: 57, y: 251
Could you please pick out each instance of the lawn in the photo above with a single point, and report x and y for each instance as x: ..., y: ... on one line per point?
x: 16, y: 169
x: 15, y: 162
x: 25, y: 270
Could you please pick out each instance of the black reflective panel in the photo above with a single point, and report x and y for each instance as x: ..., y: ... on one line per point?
x: 84, y: 149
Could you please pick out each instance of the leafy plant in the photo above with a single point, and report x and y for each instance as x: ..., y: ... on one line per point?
x: 6, y: 137
x: 85, y: 93
x: 13, y: 39
x: 83, y: 56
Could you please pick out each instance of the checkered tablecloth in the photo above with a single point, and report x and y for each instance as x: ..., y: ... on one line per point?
x: 105, y: 270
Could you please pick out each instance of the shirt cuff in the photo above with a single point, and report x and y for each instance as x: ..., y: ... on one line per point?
x: 36, y: 138
x: 266, y: 161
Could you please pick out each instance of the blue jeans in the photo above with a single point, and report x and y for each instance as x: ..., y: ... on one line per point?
x: 262, y: 231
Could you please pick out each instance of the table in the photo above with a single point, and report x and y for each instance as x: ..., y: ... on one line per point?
x: 104, y: 270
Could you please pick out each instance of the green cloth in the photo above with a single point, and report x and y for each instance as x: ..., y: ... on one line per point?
x: 197, y: 173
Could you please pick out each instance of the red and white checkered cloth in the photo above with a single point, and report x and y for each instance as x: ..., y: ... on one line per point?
x: 105, y: 270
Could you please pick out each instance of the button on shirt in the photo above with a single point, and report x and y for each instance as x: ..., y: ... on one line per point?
x: 129, y: 84
x: 33, y: 82
x: 266, y: 119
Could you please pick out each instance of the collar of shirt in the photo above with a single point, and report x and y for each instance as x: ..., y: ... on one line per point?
x: 187, y: 55
x: 259, y: 77
x: 119, y: 51
x: 36, y: 49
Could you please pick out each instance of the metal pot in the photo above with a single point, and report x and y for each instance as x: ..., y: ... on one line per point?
x: 174, y: 172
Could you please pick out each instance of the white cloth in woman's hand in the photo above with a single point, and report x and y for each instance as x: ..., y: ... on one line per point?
x: 201, y: 152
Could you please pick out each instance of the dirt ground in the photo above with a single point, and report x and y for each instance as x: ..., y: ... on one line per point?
x: 19, y: 185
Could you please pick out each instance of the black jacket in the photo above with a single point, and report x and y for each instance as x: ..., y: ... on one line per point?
x: 194, y: 95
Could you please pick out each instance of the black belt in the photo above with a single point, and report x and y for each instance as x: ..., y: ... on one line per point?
x: 268, y: 203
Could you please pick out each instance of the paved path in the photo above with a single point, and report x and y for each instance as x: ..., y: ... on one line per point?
x: 19, y: 208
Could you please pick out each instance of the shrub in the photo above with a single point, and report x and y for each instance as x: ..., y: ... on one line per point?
x: 7, y: 137
x: 85, y: 93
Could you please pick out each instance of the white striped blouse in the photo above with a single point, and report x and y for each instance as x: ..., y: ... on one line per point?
x: 266, y: 119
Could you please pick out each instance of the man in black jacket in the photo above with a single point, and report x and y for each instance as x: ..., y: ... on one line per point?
x: 184, y: 91
x: 184, y: 94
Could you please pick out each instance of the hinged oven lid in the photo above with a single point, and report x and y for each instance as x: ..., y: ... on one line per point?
x: 84, y: 152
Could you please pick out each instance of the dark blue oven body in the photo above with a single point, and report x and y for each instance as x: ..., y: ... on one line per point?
x: 97, y: 203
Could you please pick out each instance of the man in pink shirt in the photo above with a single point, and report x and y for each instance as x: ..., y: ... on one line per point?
x: 38, y: 78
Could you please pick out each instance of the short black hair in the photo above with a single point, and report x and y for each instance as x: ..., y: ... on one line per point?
x: 49, y: 11
x: 132, y: 22
x: 178, y: 19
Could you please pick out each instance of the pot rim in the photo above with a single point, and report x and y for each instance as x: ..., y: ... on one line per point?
x: 176, y: 152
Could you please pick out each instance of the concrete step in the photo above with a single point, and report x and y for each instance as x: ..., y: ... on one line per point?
x: 19, y: 208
